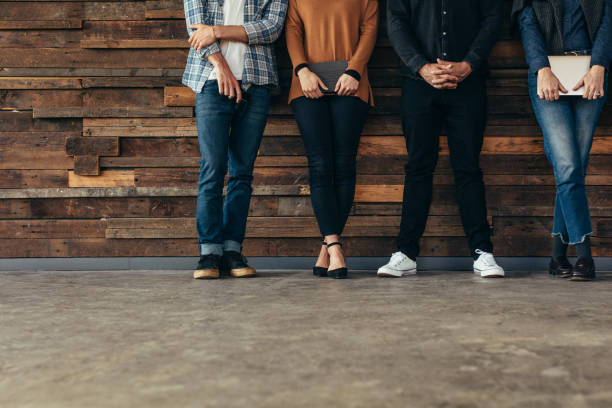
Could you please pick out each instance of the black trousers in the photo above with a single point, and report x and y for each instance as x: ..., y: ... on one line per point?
x: 331, y: 127
x: 463, y: 111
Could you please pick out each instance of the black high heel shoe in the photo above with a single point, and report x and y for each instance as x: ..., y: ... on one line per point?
x: 319, y: 270
x: 340, y: 273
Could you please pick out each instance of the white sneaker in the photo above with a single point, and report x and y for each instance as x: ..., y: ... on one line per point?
x: 486, y: 266
x: 399, y: 265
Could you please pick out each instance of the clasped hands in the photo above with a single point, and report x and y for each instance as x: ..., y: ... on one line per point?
x: 445, y: 74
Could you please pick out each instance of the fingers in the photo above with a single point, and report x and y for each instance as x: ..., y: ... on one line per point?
x: 321, y: 84
x: 436, y: 72
x: 221, y: 85
x: 579, y: 85
x: 238, y: 93
x: 341, y: 89
x: 589, y: 92
x: 231, y: 94
x: 562, y: 88
x: 444, y: 85
x: 440, y: 79
x: 585, y: 94
x: 230, y: 88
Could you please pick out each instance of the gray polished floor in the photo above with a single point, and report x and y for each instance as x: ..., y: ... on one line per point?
x: 286, y: 339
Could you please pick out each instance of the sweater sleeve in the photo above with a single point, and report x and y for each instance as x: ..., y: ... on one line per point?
x: 294, y: 36
x: 368, y: 30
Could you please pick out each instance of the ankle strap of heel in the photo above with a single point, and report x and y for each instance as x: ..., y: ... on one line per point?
x: 331, y: 244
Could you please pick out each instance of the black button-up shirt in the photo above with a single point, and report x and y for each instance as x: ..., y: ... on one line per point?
x: 453, y: 30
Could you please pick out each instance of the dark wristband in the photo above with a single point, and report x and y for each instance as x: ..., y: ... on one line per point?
x: 297, y: 69
x: 353, y: 73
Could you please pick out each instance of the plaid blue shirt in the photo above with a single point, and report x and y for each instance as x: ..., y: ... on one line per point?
x: 263, y: 23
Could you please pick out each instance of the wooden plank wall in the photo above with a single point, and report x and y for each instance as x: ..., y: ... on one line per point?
x: 98, y: 147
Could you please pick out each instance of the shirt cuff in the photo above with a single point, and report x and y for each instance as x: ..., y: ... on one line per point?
x: 253, y: 32
x: 415, y: 63
x: 539, y: 63
x: 353, y: 73
x: 473, y: 59
x: 205, y: 52
x: 599, y: 61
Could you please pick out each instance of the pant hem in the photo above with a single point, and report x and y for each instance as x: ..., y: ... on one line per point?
x: 230, y: 245
x: 558, y: 234
x: 211, y: 249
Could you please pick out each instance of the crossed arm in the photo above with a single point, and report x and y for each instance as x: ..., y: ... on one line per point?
x: 204, y: 39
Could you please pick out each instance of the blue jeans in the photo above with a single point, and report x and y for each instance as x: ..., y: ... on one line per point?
x: 228, y: 133
x: 568, y: 125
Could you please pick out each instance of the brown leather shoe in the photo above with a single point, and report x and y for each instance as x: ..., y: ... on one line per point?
x: 208, y: 267
x: 560, y: 267
x: 236, y: 265
x: 584, y: 270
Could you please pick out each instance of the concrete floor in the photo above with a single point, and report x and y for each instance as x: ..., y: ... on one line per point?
x: 286, y: 339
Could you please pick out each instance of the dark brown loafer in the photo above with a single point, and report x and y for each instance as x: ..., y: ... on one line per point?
x: 560, y: 267
x: 584, y: 270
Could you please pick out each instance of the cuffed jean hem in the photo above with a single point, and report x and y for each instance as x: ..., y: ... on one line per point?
x: 209, y: 248
x: 232, y: 246
x: 560, y: 235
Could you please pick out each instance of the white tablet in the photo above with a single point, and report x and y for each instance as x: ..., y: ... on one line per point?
x: 570, y: 69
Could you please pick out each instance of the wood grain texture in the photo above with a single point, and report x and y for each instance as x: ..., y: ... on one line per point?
x: 99, y: 152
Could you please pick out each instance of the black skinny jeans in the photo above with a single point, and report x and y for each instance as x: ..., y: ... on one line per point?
x: 331, y: 127
x: 464, y: 111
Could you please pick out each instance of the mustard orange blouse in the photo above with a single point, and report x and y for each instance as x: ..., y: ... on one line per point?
x: 332, y: 30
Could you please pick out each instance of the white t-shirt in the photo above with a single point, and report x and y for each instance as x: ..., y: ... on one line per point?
x: 232, y: 51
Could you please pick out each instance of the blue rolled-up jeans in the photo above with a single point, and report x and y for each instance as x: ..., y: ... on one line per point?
x: 568, y: 126
x: 229, y: 135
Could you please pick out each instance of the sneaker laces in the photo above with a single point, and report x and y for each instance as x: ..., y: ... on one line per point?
x: 397, y: 258
x: 486, y: 257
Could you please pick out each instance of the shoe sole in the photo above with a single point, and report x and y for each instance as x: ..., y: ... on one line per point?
x: 206, y: 274
x: 493, y: 275
x: 243, y: 273
x: 410, y: 272
x: 557, y: 275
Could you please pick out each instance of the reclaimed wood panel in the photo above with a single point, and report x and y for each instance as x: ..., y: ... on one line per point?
x: 99, y: 153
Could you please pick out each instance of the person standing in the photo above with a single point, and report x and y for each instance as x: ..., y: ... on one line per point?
x: 443, y: 46
x: 231, y: 66
x: 322, y: 31
x: 568, y: 122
